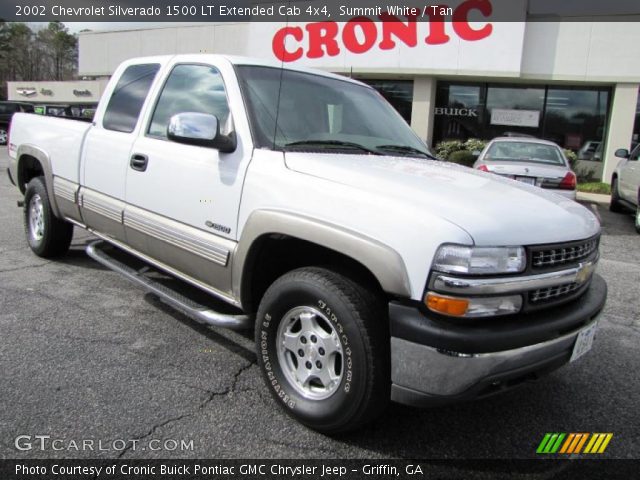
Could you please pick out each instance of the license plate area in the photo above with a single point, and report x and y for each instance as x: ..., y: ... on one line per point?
x: 584, y: 342
x: 527, y: 180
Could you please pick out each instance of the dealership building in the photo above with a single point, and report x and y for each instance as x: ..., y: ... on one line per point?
x: 574, y: 82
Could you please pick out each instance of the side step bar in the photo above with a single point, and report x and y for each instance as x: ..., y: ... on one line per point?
x: 196, y: 311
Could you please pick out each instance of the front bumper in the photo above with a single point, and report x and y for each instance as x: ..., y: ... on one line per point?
x: 435, y: 362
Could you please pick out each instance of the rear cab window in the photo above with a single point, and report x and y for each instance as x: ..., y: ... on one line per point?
x: 128, y: 97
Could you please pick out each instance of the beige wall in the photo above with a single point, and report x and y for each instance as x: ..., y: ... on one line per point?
x: 101, y: 52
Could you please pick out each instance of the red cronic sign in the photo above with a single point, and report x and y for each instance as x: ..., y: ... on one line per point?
x: 361, y: 34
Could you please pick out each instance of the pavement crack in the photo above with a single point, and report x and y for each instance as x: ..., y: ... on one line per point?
x: 131, y: 443
x: 231, y: 389
x: 27, y: 267
x: 212, y: 394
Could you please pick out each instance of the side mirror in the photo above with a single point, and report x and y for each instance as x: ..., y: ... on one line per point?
x: 622, y: 153
x: 200, y: 129
x: 476, y: 153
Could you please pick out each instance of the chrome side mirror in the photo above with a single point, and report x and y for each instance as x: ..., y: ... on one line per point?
x: 201, y: 129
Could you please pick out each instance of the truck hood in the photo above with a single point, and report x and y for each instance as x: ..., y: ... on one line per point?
x: 493, y: 210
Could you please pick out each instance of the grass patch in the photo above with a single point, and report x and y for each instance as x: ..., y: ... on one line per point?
x: 595, y: 187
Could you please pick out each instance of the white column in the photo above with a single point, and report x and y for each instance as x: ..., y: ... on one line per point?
x: 620, y: 131
x: 424, y: 102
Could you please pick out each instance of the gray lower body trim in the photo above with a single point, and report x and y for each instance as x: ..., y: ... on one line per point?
x: 434, y: 373
x: 174, y: 233
x: 66, y: 195
x: 162, y: 266
x: 198, y: 312
x: 102, y: 213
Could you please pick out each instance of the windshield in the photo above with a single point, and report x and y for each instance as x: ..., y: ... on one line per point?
x: 524, y: 152
x: 314, y: 112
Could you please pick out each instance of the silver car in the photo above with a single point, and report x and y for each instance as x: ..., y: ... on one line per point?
x: 536, y: 162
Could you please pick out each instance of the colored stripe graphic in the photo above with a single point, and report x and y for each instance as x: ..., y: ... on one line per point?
x: 551, y: 443
x: 573, y: 443
x: 598, y: 442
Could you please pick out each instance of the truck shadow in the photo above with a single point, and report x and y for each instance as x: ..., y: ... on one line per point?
x: 237, y: 342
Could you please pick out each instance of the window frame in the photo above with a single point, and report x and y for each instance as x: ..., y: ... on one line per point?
x: 154, y: 106
x: 141, y: 113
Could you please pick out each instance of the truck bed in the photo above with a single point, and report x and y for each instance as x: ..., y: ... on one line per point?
x: 60, y: 137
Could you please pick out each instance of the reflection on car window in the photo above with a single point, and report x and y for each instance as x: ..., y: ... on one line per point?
x: 190, y: 88
x: 287, y: 107
x: 525, y: 152
x: 128, y: 97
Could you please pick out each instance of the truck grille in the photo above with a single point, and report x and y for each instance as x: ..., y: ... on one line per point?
x: 552, y: 293
x: 561, y: 255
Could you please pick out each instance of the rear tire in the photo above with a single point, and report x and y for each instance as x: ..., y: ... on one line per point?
x: 47, y: 235
x: 323, y: 346
x: 637, y: 216
x: 615, y: 205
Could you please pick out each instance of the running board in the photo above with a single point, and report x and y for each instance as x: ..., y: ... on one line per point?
x: 191, y: 308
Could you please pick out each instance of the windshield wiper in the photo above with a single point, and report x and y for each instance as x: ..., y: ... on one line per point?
x: 332, y: 143
x: 405, y: 149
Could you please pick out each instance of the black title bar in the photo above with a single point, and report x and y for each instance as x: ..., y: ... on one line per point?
x: 314, y: 10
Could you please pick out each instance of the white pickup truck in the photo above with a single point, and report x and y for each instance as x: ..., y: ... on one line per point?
x: 625, y: 184
x: 371, y: 270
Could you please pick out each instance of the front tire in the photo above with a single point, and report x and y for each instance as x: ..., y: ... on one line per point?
x: 323, y: 346
x: 47, y: 235
x: 4, y: 135
x: 637, y: 216
x: 615, y: 206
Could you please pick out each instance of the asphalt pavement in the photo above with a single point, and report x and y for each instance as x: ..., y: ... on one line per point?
x: 86, y: 356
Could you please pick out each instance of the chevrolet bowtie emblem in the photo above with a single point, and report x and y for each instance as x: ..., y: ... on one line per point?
x: 585, y: 270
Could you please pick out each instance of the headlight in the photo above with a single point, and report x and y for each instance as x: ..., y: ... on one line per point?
x: 479, y: 260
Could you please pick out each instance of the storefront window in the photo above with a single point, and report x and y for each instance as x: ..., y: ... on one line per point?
x: 399, y: 93
x: 459, y: 111
x: 575, y: 118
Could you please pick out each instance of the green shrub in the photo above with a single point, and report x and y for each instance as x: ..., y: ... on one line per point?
x: 463, y: 157
x: 446, y: 148
x: 475, y: 144
x: 572, y: 157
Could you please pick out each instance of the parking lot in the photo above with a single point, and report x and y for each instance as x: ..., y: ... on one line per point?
x: 86, y: 355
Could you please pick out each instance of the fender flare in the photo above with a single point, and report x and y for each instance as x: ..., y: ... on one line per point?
x: 383, y: 262
x: 42, y: 156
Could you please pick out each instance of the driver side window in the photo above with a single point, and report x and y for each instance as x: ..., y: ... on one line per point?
x: 190, y: 88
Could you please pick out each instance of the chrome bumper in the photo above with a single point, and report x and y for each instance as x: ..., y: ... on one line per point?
x: 435, y: 362
x: 422, y: 371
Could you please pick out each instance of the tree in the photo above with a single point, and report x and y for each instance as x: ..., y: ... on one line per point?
x: 49, y: 54
x: 61, y: 49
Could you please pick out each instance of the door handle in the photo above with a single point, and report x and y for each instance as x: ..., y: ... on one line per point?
x: 139, y: 162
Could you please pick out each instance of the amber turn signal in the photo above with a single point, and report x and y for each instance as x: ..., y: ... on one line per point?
x: 455, y: 307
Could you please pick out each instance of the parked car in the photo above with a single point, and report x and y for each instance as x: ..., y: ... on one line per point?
x: 588, y: 150
x: 536, y: 162
x: 77, y: 112
x: 369, y: 270
x: 7, y: 109
x: 54, y: 110
x: 625, y: 183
